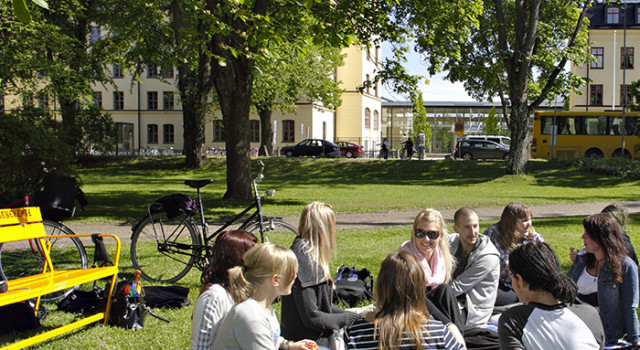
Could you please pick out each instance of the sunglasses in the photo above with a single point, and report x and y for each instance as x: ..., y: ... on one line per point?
x: 420, y: 233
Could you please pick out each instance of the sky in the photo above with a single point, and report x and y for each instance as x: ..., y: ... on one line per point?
x: 438, y: 89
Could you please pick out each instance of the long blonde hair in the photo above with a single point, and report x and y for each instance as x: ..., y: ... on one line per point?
x: 509, y: 236
x: 430, y: 215
x: 318, y: 228
x: 260, y: 262
x: 399, y: 299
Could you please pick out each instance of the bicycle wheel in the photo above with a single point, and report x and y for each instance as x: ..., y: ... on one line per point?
x: 164, y: 249
x: 26, y: 258
x: 275, y: 231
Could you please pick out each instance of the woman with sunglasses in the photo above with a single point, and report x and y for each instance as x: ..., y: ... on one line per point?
x: 429, y: 244
x: 607, y: 278
x: 513, y: 229
x: 309, y: 312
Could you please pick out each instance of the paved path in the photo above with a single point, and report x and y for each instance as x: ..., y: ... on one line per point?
x: 398, y: 217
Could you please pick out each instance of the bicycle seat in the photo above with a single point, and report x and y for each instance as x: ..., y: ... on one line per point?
x: 197, y: 183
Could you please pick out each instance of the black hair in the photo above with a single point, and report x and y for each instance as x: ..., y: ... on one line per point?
x: 539, y: 267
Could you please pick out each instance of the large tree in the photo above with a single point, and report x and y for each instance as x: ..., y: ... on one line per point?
x: 512, y: 49
x: 297, y: 71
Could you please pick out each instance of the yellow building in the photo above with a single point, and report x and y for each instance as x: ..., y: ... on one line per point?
x: 611, y: 74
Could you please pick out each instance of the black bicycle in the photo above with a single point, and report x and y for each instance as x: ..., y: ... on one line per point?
x: 164, y: 247
x: 56, y: 195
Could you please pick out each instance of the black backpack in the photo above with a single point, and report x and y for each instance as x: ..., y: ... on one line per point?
x: 352, y: 286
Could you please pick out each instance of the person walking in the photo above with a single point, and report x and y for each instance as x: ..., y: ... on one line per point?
x: 420, y: 140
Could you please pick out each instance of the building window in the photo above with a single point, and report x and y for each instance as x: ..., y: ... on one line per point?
x: 95, y: 34
x: 27, y: 100
x: 254, y: 131
x: 152, y: 100
x: 152, y: 133
x: 596, y: 95
x: 166, y: 72
x: 626, y: 58
x: 43, y: 102
x: 625, y: 95
x: 218, y: 130
x: 118, y: 100
x: 167, y: 100
x: 97, y: 98
x: 638, y: 15
x: 376, y: 120
x: 288, y: 132
x: 167, y: 133
x: 367, y: 118
x: 613, y: 15
x: 368, y: 89
x: 117, y: 71
x: 152, y: 71
x: 598, y: 55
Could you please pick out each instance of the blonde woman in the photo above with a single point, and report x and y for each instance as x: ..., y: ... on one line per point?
x: 309, y: 312
x: 402, y: 320
x: 268, y: 271
x: 513, y: 229
x: 429, y: 244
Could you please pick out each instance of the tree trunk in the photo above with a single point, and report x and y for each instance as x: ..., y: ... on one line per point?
x: 72, y: 132
x: 266, y: 132
x: 519, y: 151
x: 193, y: 116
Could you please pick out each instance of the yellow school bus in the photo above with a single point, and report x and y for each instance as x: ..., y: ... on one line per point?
x: 584, y: 134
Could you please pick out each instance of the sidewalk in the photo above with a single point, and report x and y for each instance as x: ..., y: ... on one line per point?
x: 393, y: 218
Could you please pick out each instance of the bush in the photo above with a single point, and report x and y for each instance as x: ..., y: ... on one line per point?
x: 609, y: 166
x: 29, y: 138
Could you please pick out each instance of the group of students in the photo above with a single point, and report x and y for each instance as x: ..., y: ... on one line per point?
x: 429, y: 293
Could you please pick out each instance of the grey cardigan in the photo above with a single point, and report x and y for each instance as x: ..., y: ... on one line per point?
x: 307, y: 313
x: 479, y: 281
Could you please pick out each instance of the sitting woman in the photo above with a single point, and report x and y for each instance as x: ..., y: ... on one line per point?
x: 309, y: 312
x: 513, y: 229
x: 429, y: 244
x: 545, y: 321
x: 214, y: 300
x: 268, y: 271
x: 402, y: 320
x: 607, y: 278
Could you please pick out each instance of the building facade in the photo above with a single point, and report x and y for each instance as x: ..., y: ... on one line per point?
x: 614, y: 34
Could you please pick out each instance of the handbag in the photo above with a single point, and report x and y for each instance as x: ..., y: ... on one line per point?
x: 127, y: 307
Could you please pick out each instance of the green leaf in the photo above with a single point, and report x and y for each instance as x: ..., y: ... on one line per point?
x: 41, y: 3
x: 22, y: 11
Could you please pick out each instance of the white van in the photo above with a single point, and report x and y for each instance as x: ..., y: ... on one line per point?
x: 503, y: 140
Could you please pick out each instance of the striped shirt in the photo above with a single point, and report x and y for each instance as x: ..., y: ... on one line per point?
x: 209, y: 310
x: 436, y: 336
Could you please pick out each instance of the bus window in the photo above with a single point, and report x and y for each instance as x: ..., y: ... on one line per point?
x: 580, y: 125
x: 615, y: 124
x: 596, y: 125
x: 631, y: 125
x: 546, y: 123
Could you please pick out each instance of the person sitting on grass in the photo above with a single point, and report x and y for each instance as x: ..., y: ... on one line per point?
x: 268, y: 272
x: 402, y: 320
x: 607, y: 278
x: 513, y: 229
x: 475, y: 277
x: 429, y: 244
x: 548, y: 319
x: 215, y: 300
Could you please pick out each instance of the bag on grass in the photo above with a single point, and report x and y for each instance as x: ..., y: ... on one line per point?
x: 352, y: 286
x: 20, y: 316
x: 127, y: 307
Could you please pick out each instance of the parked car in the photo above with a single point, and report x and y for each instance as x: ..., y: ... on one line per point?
x: 312, y: 148
x: 350, y: 149
x: 480, y: 149
x: 503, y: 140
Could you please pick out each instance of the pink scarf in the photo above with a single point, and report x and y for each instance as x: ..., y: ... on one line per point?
x: 434, y: 270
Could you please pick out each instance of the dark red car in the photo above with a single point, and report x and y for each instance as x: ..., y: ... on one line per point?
x: 350, y: 149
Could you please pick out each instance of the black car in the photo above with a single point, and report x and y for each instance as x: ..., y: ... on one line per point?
x: 312, y: 148
x: 480, y: 149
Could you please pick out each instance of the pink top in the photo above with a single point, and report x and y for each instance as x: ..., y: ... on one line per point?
x: 434, y: 269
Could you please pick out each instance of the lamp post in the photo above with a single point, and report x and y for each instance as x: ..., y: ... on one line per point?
x: 624, y: 76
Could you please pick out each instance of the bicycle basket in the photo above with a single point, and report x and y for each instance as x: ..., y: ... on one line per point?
x: 57, y: 199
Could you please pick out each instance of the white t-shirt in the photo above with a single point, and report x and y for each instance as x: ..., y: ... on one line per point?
x: 247, y: 326
x: 208, y: 311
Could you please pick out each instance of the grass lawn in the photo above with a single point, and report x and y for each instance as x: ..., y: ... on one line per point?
x: 121, y: 191
x: 356, y: 247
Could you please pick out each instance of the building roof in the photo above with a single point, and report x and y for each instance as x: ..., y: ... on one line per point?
x: 598, y: 15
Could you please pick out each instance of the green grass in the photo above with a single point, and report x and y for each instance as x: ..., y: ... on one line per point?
x: 122, y: 191
x: 356, y: 247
